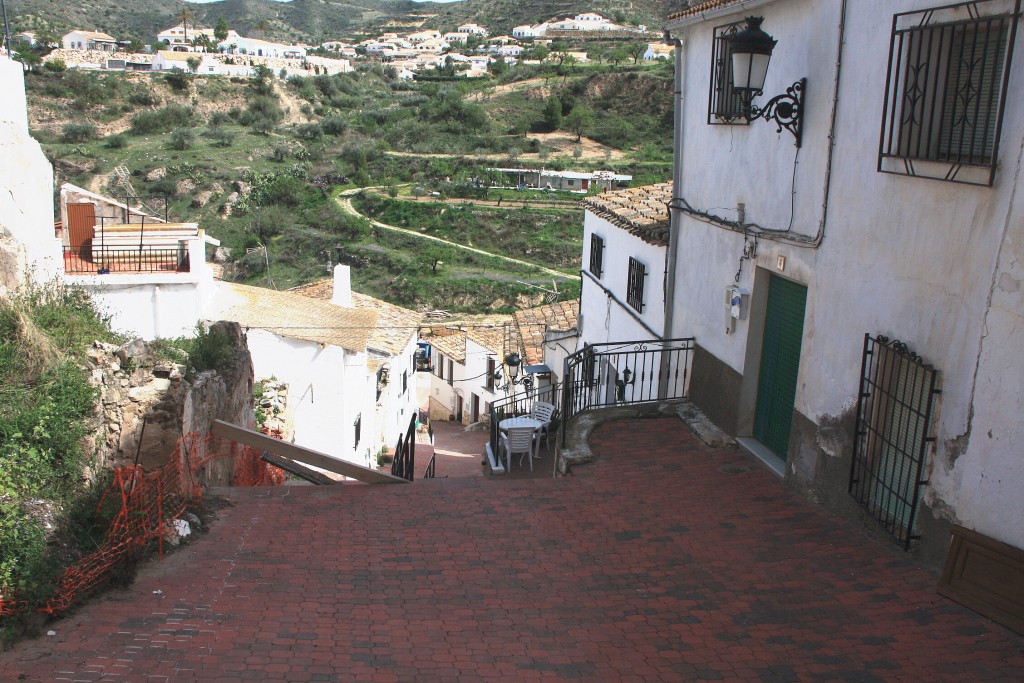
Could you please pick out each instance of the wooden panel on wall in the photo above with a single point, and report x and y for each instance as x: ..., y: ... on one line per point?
x: 986, y: 576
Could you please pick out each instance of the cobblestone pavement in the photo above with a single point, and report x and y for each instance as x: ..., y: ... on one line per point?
x: 662, y: 561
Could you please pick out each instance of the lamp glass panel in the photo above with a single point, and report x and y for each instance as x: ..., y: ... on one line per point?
x: 749, y: 70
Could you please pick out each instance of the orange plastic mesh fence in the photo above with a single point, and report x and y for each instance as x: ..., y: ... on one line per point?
x: 141, y: 506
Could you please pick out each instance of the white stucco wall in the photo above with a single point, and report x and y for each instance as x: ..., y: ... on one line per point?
x: 395, y: 407
x: 911, y: 258
x: 475, y: 381
x: 604, y: 318
x: 26, y: 180
x: 326, y: 388
x: 153, y: 305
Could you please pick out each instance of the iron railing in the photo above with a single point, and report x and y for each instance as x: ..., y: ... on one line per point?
x: 520, y: 403
x: 893, y: 435
x: 104, y: 260
x: 405, y: 453
x: 625, y: 373
x: 431, y: 470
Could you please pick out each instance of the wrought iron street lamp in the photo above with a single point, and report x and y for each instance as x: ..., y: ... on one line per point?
x: 513, y: 363
x: 751, y: 51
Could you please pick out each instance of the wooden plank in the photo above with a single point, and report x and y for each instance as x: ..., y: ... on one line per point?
x: 298, y: 469
x: 987, y: 576
x: 302, y: 455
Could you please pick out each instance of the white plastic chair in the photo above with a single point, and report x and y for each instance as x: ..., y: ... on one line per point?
x: 517, y: 440
x: 543, y: 412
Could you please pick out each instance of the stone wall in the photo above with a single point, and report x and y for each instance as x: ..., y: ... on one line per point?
x: 146, y: 404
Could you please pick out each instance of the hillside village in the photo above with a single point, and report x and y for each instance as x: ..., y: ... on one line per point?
x: 469, y: 50
x: 772, y: 408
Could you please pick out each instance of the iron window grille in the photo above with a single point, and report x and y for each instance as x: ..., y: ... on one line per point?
x: 893, y: 435
x: 405, y: 381
x: 358, y: 429
x: 596, y: 256
x: 948, y: 76
x: 440, y: 366
x: 725, y: 103
x: 451, y: 372
x: 635, y: 285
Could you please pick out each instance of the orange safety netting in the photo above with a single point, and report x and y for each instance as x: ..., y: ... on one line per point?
x: 141, y: 506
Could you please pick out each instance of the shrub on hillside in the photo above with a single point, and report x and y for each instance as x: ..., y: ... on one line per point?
x: 160, y: 120
x: 78, y: 132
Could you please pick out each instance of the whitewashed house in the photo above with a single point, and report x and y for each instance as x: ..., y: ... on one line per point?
x: 545, y: 336
x: 658, y: 51
x: 448, y: 365
x: 29, y: 247
x: 348, y: 362
x: 88, y: 40
x: 167, y: 60
x: 625, y: 239
x: 150, y: 276
x: 530, y: 31
x: 868, y: 208
x: 472, y: 30
x: 260, y: 48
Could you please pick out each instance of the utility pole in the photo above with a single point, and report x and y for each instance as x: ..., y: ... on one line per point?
x: 7, y: 30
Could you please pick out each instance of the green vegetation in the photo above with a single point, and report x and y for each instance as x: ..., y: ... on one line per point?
x: 45, y: 401
x: 256, y: 161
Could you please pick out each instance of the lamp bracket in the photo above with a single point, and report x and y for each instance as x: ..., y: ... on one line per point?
x: 786, y: 110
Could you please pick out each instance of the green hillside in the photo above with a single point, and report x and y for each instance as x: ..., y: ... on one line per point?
x: 314, y: 21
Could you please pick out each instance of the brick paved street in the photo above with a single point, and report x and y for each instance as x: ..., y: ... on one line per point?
x: 661, y: 561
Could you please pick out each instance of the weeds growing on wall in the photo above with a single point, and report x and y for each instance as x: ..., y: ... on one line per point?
x: 45, y: 399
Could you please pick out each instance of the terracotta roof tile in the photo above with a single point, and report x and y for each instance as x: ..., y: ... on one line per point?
x: 294, y: 316
x: 452, y: 345
x: 491, y: 338
x: 642, y: 211
x: 532, y: 324
x: 702, y: 8
x: 395, y: 325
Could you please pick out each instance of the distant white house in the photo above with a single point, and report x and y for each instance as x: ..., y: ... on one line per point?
x: 423, y: 36
x: 167, y: 60
x: 473, y: 30
x: 528, y: 31
x: 577, y: 181
x: 88, y: 40
x: 261, y: 48
x: 455, y: 37
x: 182, y: 37
x: 658, y: 51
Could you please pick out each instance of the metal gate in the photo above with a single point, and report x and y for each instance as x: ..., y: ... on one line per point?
x: 893, y: 435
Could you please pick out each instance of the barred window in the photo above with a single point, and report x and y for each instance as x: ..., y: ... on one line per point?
x: 358, y: 428
x: 491, y: 366
x: 635, y: 285
x: 946, y: 91
x: 596, y: 256
x: 725, y: 104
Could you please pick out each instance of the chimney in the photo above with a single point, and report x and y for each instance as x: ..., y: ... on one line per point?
x: 342, y: 286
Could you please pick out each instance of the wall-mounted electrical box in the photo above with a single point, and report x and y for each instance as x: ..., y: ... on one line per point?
x: 737, y: 301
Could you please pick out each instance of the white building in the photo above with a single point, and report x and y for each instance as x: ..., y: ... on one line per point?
x: 148, y: 275
x: 472, y: 30
x: 546, y: 335
x: 167, y: 60
x: 348, y: 362
x: 28, y: 244
x: 574, y: 181
x: 898, y: 217
x: 181, y: 36
x: 423, y: 36
x: 528, y: 31
x: 88, y: 40
x: 260, y: 48
x: 625, y: 238
x: 658, y: 51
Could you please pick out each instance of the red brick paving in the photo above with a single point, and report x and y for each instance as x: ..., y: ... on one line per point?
x: 661, y: 561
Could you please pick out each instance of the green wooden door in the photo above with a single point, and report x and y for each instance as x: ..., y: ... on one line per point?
x: 780, y: 361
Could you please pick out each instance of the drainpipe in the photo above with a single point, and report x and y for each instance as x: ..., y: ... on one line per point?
x: 671, y: 255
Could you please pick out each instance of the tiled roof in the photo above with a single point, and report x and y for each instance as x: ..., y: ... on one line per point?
x: 294, y: 316
x: 452, y: 345
x: 642, y: 211
x: 703, y: 7
x: 534, y: 322
x: 395, y: 325
x: 491, y: 338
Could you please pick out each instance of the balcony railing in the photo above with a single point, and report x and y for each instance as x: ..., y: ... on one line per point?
x: 625, y: 373
x: 99, y: 260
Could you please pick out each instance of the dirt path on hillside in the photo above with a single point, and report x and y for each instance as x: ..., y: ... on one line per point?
x: 565, y: 145
x: 345, y: 202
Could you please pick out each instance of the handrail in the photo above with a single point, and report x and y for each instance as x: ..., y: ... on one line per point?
x: 614, y: 374
x: 405, y: 453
